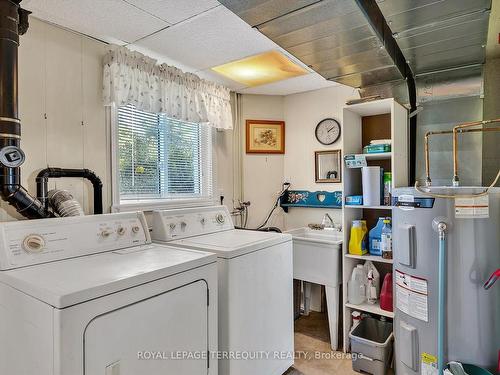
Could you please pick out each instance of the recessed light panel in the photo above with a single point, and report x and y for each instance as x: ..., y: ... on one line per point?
x: 261, y: 69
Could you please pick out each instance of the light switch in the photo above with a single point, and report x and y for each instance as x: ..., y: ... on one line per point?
x: 113, y: 369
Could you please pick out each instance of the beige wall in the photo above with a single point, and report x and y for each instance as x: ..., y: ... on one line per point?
x: 64, y: 120
x: 302, y: 113
x: 262, y: 175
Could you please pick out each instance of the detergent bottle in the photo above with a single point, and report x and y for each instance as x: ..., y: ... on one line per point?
x: 386, y: 293
x: 357, y: 242
x: 374, y: 237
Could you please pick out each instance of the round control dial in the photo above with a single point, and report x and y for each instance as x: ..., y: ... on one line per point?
x: 220, y: 218
x: 33, y: 243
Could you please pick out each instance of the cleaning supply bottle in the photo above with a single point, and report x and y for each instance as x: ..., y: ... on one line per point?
x: 386, y: 240
x: 357, y: 241
x: 374, y: 237
x: 386, y: 293
x: 371, y: 290
x: 373, y: 281
x: 356, y: 290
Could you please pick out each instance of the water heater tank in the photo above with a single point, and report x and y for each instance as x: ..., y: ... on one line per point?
x: 472, y: 315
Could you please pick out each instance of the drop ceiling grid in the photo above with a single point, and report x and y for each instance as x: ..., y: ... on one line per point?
x: 210, y: 39
x: 174, y: 11
x: 199, y: 34
x: 97, y: 18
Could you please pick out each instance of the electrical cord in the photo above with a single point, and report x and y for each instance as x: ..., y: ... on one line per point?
x: 286, y: 186
x: 451, y: 196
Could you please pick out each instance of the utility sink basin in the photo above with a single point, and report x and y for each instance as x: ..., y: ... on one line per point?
x: 330, y: 236
x: 317, y: 259
x: 317, y: 255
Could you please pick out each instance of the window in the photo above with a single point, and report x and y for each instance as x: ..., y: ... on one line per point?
x: 160, y: 158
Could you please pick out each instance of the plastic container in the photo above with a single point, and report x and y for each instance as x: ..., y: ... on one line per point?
x: 386, y: 240
x: 375, y: 149
x: 386, y: 302
x: 356, y: 318
x: 372, y: 185
x: 356, y: 288
x: 357, y: 241
x: 371, y: 342
x: 354, y: 200
x: 475, y: 370
x: 370, y: 267
x: 374, y: 237
x: 387, y: 188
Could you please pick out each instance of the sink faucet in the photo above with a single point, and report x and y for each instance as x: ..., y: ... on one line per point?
x: 328, y: 222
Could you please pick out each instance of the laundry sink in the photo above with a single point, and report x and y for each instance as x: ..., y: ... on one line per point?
x: 331, y: 236
x: 316, y: 255
x: 317, y: 259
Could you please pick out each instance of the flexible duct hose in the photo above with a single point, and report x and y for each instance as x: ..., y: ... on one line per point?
x: 63, y: 203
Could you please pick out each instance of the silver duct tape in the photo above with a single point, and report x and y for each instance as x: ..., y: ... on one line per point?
x: 10, y: 119
x: 7, y: 135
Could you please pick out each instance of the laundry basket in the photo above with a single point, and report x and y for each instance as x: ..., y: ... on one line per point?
x: 371, y: 346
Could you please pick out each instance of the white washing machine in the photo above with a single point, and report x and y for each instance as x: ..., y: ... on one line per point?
x: 255, y: 286
x: 92, y: 296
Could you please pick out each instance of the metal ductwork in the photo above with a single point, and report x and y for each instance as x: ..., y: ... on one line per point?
x: 379, y: 46
x: 13, y: 22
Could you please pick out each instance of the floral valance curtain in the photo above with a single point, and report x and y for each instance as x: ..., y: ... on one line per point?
x: 133, y: 78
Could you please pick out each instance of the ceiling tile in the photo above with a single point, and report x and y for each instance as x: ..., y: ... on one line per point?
x: 311, y: 81
x: 174, y: 11
x: 109, y: 20
x: 212, y: 38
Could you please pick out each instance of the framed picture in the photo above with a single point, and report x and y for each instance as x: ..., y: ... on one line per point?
x: 265, y: 137
x: 328, y: 166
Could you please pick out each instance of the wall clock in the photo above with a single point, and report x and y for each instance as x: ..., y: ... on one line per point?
x: 327, y: 131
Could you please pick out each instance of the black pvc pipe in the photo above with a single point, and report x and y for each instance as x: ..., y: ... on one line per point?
x: 42, y: 180
x: 11, y: 189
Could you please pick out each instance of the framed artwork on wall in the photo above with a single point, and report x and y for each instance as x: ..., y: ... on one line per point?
x: 328, y: 166
x: 265, y: 137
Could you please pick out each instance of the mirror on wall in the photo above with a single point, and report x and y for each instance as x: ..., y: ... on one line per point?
x: 328, y: 166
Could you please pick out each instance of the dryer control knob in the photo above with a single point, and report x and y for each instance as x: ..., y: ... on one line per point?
x: 220, y: 218
x: 136, y: 229
x: 121, y: 231
x: 33, y: 243
x: 172, y: 226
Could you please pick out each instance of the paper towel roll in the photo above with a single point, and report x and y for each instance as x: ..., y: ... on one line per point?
x: 371, y: 186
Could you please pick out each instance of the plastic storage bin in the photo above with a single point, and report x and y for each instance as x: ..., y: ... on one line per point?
x: 371, y: 345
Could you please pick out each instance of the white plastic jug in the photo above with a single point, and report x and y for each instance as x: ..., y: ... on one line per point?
x: 356, y: 289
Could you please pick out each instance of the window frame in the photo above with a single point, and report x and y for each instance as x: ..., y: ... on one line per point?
x: 119, y: 205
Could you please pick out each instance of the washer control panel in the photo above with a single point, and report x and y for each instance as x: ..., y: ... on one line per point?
x: 28, y: 242
x: 175, y: 224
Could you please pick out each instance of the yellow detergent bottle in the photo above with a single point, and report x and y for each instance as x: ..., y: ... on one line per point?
x: 357, y: 242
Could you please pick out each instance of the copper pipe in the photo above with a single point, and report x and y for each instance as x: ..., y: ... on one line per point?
x: 459, y: 129
x: 428, y: 180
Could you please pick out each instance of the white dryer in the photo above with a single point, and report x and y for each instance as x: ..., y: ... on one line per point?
x: 92, y: 296
x: 255, y: 286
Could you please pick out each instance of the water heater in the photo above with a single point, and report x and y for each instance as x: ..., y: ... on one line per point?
x: 472, y: 254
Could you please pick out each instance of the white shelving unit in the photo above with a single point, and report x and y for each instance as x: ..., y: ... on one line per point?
x: 376, y: 156
x: 396, y: 161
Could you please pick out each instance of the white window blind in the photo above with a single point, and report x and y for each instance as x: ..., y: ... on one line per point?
x: 162, y: 158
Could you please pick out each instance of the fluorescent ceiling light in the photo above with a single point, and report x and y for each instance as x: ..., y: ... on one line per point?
x: 260, y: 69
